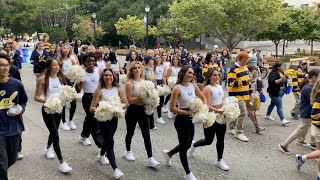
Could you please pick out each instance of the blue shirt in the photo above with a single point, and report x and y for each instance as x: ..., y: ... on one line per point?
x: 11, y: 93
x: 305, y: 106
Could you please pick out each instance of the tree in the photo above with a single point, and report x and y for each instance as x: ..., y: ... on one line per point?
x: 229, y: 21
x: 83, y: 29
x: 133, y: 27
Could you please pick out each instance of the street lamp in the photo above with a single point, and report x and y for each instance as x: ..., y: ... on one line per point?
x: 175, y: 32
x: 94, y: 16
x: 147, y: 9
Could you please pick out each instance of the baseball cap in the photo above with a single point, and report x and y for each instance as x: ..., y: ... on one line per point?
x: 148, y: 58
x: 215, y: 46
x: 303, y: 62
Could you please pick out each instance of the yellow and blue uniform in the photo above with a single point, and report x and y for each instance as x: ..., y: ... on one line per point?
x: 297, y: 79
x: 315, y: 112
x: 206, y: 68
x: 237, y: 84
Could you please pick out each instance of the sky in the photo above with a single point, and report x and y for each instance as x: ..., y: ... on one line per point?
x: 299, y: 2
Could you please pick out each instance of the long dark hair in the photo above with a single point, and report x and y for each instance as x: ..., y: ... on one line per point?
x: 313, y: 72
x: 276, y: 66
x: 130, y: 59
x: 113, y: 58
x: 208, y: 57
x: 60, y: 75
x: 208, y: 75
x: 179, y: 60
x: 102, y: 84
x: 182, y: 72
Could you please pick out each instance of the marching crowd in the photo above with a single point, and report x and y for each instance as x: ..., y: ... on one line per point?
x: 207, y: 78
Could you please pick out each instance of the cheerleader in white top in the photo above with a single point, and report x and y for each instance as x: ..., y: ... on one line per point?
x: 115, y: 65
x: 101, y: 63
x: 108, y: 87
x: 214, y: 94
x: 66, y: 62
x: 135, y: 112
x: 160, y: 76
x: 172, y: 72
x: 48, y: 85
x: 184, y: 91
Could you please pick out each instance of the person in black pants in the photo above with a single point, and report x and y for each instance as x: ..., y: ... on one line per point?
x: 50, y: 83
x: 160, y: 76
x: 135, y: 112
x: 213, y: 92
x: 184, y: 91
x: 108, y: 87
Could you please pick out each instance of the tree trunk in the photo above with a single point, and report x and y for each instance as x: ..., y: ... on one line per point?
x: 311, y: 46
x: 284, y: 46
x: 276, y: 44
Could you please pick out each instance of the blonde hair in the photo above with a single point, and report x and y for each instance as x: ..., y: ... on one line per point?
x: 315, y: 92
x: 130, y: 68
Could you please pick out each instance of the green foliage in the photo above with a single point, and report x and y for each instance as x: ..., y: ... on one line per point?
x: 133, y: 27
x: 2, y: 31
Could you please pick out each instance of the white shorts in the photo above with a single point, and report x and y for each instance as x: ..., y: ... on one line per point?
x: 315, y: 132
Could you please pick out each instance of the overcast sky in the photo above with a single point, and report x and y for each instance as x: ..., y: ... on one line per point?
x: 299, y: 2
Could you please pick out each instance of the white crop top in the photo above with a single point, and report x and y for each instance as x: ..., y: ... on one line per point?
x: 91, y: 81
x: 166, y: 65
x: 101, y: 65
x: 53, y: 87
x: 136, y: 86
x: 217, y: 95
x: 115, y: 67
x: 175, y: 71
x: 109, y: 93
x: 159, y: 72
x: 66, y: 65
x: 186, y: 94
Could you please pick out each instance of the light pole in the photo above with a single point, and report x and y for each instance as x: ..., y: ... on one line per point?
x: 147, y: 9
x: 175, y: 32
x: 94, y: 15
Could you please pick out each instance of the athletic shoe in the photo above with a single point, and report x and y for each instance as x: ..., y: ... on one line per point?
x: 232, y: 131
x: 284, y: 121
x: 283, y: 149
x: 190, y: 176
x: 117, y: 174
x: 160, y: 121
x: 191, y: 150
x: 72, y: 125
x: 269, y: 118
x: 222, y: 165
x: 103, y: 159
x: 152, y: 162
x: 167, y: 158
x: 164, y: 109
x: 129, y: 156
x: 241, y: 137
x: 302, y: 143
x: 64, y: 167
x: 65, y: 126
x: 85, y: 141
x: 49, y: 153
x: 170, y: 115
x: 20, y: 155
x: 313, y: 146
x: 299, y: 161
x: 154, y: 128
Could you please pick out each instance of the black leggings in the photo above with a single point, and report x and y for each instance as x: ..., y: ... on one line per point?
x: 135, y: 114
x: 216, y: 128
x: 151, y: 121
x: 90, y: 125
x: 108, y: 128
x: 73, y: 106
x: 167, y: 99
x: 185, y: 131
x: 52, y: 122
x: 160, y: 82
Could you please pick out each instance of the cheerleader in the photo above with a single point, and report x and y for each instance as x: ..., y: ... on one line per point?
x: 108, y: 87
x: 172, y: 72
x: 89, y: 86
x: 160, y: 75
x: 135, y: 112
x: 101, y: 63
x: 48, y: 85
x: 114, y: 65
x: 66, y: 62
x: 184, y: 91
x: 214, y: 94
x: 38, y: 59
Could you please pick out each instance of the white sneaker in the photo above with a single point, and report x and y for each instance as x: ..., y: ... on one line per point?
x: 154, y: 128
x: 222, y: 165
x: 152, y: 162
x: 241, y: 137
x: 284, y: 121
x: 64, y: 167
x: 232, y: 131
x: 129, y: 156
x: 170, y: 114
x: 117, y: 174
x: 167, y: 157
x: 190, y: 176
x: 103, y: 159
x: 72, y: 125
x: 49, y: 153
x: 20, y: 155
x: 191, y: 150
x: 164, y: 109
x: 160, y: 121
x: 85, y: 141
x: 65, y: 126
x: 269, y: 118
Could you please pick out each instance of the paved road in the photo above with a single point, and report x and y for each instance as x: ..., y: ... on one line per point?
x: 257, y: 159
